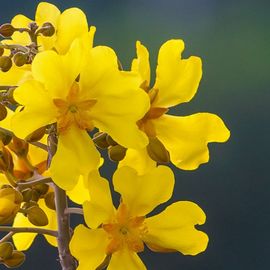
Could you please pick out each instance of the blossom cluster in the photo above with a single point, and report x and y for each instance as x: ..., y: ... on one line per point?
x: 62, y: 100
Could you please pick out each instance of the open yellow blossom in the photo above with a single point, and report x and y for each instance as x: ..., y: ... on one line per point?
x: 80, y: 90
x: 68, y: 25
x: 118, y: 235
x: 184, y: 137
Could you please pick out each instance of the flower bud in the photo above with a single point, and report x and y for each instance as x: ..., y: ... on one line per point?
x: 6, y: 161
x: 5, y: 63
x: 100, y: 140
x: 157, y: 151
x: 42, y: 189
x: 1, y: 51
x: 37, y: 216
x: 5, y: 137
x: 47, y: 29
x: 17, y: 258
x: 7, y: 30
x: 10, y: 201
x: 20, y: 59
x: 3, y: 112
x: 110, y: 140
x: 19, y: 147
x: 36, y: 135
x: 6, y: 250
x: 50, y: 200
x: 117, y: 153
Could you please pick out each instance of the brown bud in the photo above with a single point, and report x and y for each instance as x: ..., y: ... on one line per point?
x: 47, y: 30
x: 37, y: 216
x: 19, y: 147
x: 20, y: 59
x: 100, y: 140
x: 10, y: 201
x: 157, y: 151
x: 9, y: 95
x: 1, y: 51
x: 17, y: 258
x: 27, y: 195
x: 3, y: 112
x: 42, y: 189
x: 36, y: 135
x: 5, y: 137
x: 117, y: 153
x: 50, y: 200
x: 110, y: 140
x: 7, y: 30
x: 6, y: 161
x: 6, y: 250
x: 5, y: 63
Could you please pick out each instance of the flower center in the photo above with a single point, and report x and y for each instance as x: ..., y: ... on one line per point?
x: 74, y: 110
x: 125, y: 231
x: 145, y: 124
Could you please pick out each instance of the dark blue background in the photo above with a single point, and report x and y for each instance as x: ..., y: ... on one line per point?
x: 233, y: 39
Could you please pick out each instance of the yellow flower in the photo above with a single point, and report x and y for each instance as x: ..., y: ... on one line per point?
x: 120, y: 234
x: 69, y: 24
x: 184, y: 137
x: 80, y: 90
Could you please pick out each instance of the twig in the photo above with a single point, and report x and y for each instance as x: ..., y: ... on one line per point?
x: 73, y: 210
x: 23, y: 185
x: 63, y: 239
x: 28, y: 230
x: 7, y: 237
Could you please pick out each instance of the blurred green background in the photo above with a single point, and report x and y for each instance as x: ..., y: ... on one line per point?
x: 233, y: 40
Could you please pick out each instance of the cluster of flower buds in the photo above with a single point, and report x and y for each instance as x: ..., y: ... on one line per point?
x: 21, y: 55
x: 9, y: 257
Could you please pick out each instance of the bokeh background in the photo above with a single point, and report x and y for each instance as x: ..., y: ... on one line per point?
x: 233, y: 40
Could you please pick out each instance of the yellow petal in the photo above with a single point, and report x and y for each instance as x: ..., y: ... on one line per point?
x: 80, y: 193
x: 141, y: 63
x: 125, y: 259
x: 173, y: 229
x: 177, y: 79
x: 142, y: 193
x: 33, y: 116
x: 76, y: 155
x: 120, y: 104
x: 100, y: 208
x: 23, y: 241
x: 3, y: 180
x: 186, y: 138
x: 52, y: 225
x: 15, y: 76
x: 21, y: 21
x: 56, y: 72
x: 138, y: 160
x: 47, y: 12
x: 88, y: 247
x: 72, y: 24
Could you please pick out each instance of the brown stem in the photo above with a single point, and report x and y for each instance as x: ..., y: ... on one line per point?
x: 63, y: 239
x: 6, y: 237
x: 24, y: 185
x: 28, y: 230
x: 73, y: 210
